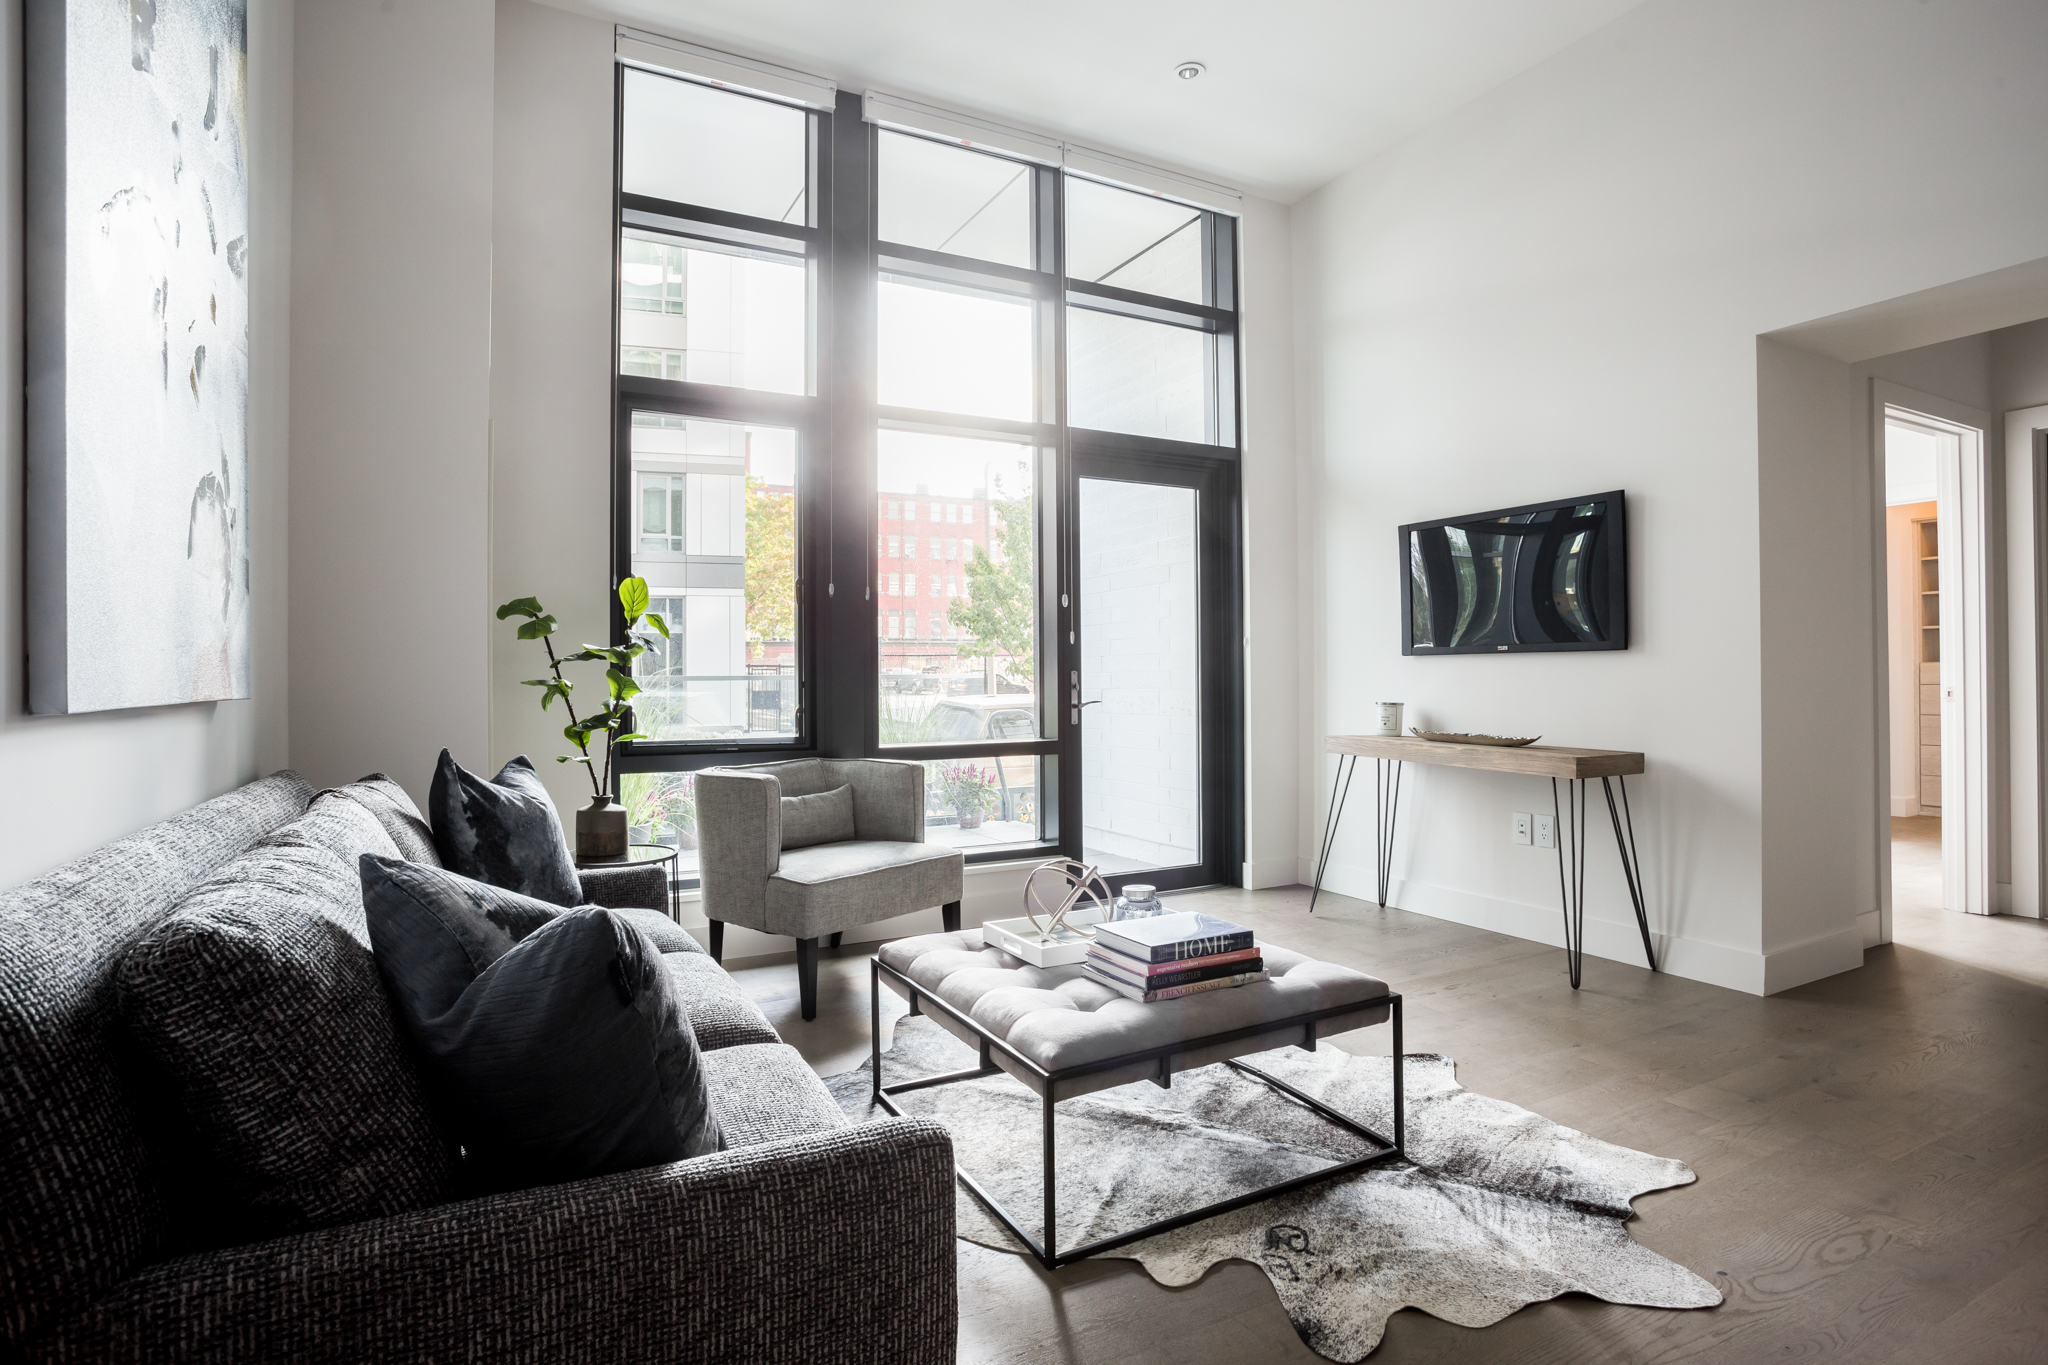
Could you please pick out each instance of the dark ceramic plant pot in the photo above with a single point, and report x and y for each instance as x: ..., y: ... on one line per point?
x: 601, y: 830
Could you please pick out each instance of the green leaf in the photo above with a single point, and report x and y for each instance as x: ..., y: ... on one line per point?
x: 654, y: 619
x: 583, y: 656
x: 622, y: 684
x: 621, y: 739
x: 520, y: 606
x: 573, y: 758
x: 633, y: 597
x: 534, y: 629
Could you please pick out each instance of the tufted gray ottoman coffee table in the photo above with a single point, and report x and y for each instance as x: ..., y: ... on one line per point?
x: 1062, y: 1034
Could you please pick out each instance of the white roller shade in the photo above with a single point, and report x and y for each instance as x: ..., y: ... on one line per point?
x: 891, y: 112
x: 1115, y: 170
x: 677, y: 58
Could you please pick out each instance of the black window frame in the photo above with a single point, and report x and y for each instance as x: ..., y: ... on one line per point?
x: 838, y: 642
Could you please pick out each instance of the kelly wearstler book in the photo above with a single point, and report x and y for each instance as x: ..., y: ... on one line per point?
x: 1099, y: 949
x: 1166, y: 975
x: 1214, y: 983
x: 1174, y: 937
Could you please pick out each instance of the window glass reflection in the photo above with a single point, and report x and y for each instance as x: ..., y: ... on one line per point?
x: 692, y: 144
x: 1145, y: 378
x: 1133, y: 241
x: 956, y: 613
x: 946, y: 198
x: 710, y: 316
x: 715, y: 538
x: 953, y: 350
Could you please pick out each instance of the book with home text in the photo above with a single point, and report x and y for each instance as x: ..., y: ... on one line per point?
x: 1171, y: 938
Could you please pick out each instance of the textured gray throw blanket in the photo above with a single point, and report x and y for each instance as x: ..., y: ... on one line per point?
x: 1495, y: 1209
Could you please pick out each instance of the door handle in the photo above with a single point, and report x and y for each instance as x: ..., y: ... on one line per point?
x: 1096, y: 702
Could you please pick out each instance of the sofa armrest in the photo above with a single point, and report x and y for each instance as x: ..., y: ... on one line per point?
x: 739, y: 843
x: 832, y: 1247
x: 888, y: 797
x: 635, y: 886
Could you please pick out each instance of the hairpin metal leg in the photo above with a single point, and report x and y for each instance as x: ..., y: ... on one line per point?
x: 1052, y: 1203
x: 875, y: 1029
x: 1571, y: 850
x: 1346, y: 765
x: 1631, y: 867
x: 1387, y: 783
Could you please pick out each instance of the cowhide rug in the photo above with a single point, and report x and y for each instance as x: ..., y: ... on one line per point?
x: 1496, y: 1207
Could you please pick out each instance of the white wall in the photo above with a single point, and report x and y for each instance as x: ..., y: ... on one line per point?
x: 1561, y: 289
x: 391, y: 366
x: 551, y: 339
x: 2018, y: 363
x: 71, y: 783
x: 1273, y: 551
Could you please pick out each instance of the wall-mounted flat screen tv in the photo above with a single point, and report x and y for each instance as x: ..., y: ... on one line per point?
x: 1549, y: 576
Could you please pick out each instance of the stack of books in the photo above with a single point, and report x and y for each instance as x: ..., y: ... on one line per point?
x: 1168, y: 956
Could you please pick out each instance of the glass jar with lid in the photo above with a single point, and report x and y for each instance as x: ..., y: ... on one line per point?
x: 1137, y: 901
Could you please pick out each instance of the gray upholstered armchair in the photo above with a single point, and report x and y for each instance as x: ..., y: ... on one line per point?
x: 816, y: 846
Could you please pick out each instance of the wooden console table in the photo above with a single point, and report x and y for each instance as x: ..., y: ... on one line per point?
x: 1388, y: 753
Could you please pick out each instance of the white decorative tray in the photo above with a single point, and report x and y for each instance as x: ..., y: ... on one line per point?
x: 1017, y: 938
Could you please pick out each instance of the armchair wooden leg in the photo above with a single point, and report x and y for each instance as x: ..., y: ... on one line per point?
x: 835, y: 939
x: 807, y: 976
x: 718, y: 940
x: 950, y: 913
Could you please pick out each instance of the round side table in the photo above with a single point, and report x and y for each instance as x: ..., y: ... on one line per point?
x: 640, y: 853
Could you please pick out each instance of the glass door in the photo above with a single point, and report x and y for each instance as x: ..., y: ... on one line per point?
x: 1152, y: 694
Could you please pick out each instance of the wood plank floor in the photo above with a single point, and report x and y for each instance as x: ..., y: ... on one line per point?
x: 1872, y: 1149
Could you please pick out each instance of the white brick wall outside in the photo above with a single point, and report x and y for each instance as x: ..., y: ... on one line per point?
x: 1140, y: 655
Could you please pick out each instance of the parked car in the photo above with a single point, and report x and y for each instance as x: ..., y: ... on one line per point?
x: 1009, y: 716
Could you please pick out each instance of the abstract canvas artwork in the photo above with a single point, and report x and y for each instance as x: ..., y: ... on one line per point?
x: 138, y: 352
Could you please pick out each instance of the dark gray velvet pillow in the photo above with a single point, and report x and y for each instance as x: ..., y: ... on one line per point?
x: 557, y: 1053
x: 513, y: 915
x: 502, y: 830
x: 821, y: 818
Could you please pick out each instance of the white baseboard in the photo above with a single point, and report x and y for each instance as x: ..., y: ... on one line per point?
x: 1620, y: 941
x: 1826, y: 955
x: 1871, y: 924
x: 1903, y: 806
x: 1272, y: 872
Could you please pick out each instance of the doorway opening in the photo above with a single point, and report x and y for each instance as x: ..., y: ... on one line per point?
x: 1937, y: 638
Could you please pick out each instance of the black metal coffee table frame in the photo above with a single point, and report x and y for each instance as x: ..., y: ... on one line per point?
x: 1047, y: 1085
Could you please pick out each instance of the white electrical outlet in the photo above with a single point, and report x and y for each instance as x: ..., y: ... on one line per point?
x: 1546, y: 831
x: 1521, y: 834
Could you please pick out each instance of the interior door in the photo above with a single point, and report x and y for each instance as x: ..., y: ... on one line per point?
x: 1153, y: 696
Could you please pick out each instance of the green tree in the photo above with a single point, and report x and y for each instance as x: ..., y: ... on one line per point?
x: 1000, y: 609
x: 771, y: 564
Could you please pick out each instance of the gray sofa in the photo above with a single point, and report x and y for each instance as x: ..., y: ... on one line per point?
x: 808, y: 1239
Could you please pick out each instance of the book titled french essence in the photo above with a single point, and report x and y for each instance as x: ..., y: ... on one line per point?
x: 1171, y: 938
x: 1214, y: 983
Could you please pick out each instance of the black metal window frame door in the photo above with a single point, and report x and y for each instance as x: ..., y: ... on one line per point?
x: 1213, y: 476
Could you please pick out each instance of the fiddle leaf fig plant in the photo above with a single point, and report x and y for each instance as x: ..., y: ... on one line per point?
x: 611, y: 721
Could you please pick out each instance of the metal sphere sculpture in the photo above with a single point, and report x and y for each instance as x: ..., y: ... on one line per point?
x: 1055, y: 887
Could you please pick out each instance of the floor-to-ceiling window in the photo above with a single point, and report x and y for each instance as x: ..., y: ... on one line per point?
x: 926, y: 440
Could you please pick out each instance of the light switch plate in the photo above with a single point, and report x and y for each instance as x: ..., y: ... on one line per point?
x: 1546, y: 831
x: 1521, y: 827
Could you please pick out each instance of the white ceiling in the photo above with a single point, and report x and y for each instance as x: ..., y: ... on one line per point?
x: 1297, y: 91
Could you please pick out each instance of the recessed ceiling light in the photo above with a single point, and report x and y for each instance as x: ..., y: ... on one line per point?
x: 1187, y: 71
